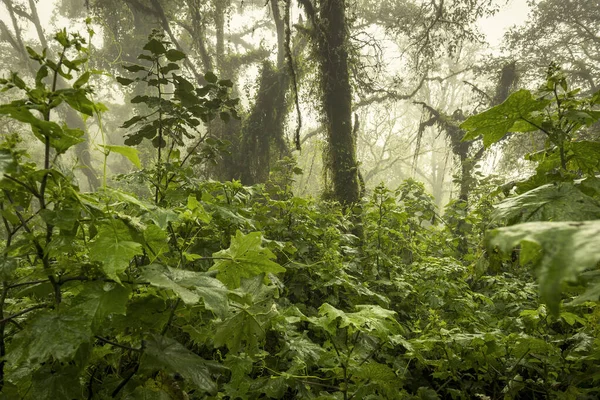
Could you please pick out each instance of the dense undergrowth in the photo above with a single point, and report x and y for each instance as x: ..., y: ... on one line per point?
x: 162, y: 285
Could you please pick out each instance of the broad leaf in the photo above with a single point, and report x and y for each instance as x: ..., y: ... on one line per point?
x: 565, y: 249
x: 190, y: 286
x: 166, y: 353
x: 129, y: 152
x: 371, y: 319
x: 174, y: 55
x: 98, y: 300
x: 512, y: 115
x: 114, y: 249
x: 552, y: 202
x: 155, y: 47
x: 55, y: 334
x: 50, y: 384
x: 244, y: 258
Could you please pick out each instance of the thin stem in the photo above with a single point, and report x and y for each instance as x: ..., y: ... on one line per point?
x: 25, y: 311
x: 122, y: 346
x: 171, y: 315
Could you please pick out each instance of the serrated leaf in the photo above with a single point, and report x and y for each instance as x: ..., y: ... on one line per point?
x: 114, y: 249
x: 370, y: 319
x: 190, y: 286
x: 166, y: 353
x: 511, y: 115
x: 129, y: 152
x: 244, y: 258
x: 55, y: 334
x: 98, y: 300
x: 146, y: 393
x: 50, y: 384
x: 155, y: 47
x: 552, y: 202
x: 373, y: 371
x: 565, y: 250
x: 241, y: 328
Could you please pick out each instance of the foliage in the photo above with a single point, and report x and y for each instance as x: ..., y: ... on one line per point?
x: 562, y: 196
x: 215, y: 290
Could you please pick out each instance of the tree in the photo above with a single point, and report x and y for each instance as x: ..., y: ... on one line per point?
x: 331, y: 46
x: 565, y: 32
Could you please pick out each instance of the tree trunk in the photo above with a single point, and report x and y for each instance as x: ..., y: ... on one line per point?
x: 337, y: 101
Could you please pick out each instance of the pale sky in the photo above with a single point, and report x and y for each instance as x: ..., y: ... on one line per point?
x: 515, y: 13
x: 494, y: 27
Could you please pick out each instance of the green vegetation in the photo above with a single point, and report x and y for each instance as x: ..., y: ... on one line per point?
x: 168, y: 286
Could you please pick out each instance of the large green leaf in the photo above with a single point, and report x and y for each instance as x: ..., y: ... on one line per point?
x: 370, y: 319
x: 190, y: 286
x: 98, y: 300
x: 114, y: 249
x: 242, y: 327
x: 510, y: 116
x: 55, y: 334
x: 551, y: 202
x: 255, y: 310
x: 129, y: 152
x: 52, y: 383
x: 244, y: 258
x: 563, y: 249
x: 168, y: 354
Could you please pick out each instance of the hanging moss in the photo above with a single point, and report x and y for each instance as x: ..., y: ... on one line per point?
x: 263, y: 132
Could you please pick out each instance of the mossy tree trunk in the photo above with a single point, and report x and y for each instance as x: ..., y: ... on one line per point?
x: 337, y: 100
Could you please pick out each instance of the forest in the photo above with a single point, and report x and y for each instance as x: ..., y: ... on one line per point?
x: 299, y: 199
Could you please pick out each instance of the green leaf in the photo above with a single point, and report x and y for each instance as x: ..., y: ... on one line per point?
x: 132, y: 121
x: 169, y: 67
x: 565, y: 250
x: 551, y: 202
x: 165, y: 353
x: 211, y: 77
x: 98, y: 300
x: 155, y: 47
x: 148, y: 393
x: 370, y: 319
x: 114, y: 249
x: 510, y: 116
x: 244, y: 258
x: 129, y: 152
x: 124, y: 81
x: 225, y: 117
x: 226, y: 83
x: 133, y: 68
x: 78, y: 101
x: 55, y: 334
x: 7, y: 162
x: 40, y: 76
x: 175, y: 55
x: 242, y: 327
x: 82, y: 80
x: 190, y: 286
x: 58, y: 382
